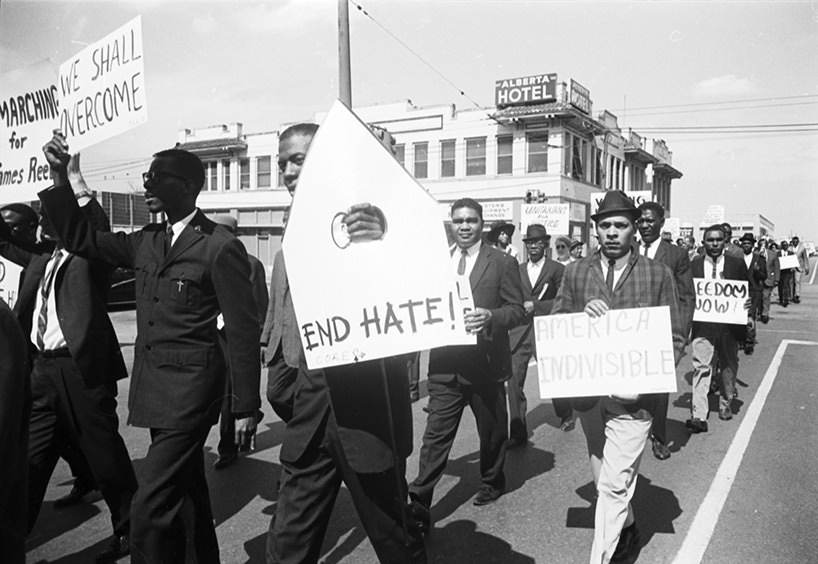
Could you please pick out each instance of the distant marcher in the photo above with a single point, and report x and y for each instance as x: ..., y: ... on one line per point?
x: 786, y: 278
x: 802, y: 254
x: 575, y: 249
x: 773, y: 276
x: 562, y: 245
x: 730, y: 247
x: 500, y: 238
x: 756, y: 275
x: 667, y: 237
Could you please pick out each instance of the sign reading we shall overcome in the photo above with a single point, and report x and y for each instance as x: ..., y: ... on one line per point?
x: 625, y: 351
x: 102, y: 88
x: 367, y: 300
x: 721, y: 301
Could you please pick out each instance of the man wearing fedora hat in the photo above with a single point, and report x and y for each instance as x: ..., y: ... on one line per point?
x: 541, y: 279
x: 757, y: 274
x: 617, y: 427
x: 500, y: 238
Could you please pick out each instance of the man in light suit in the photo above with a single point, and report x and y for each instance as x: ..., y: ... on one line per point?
x: 650, y: 226
x: 801, y: 253
x: 187, y: 270
x: 472, y: 375
x: 617, y: 427
x: 541, y: 279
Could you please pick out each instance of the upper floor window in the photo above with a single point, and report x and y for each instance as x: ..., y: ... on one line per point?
x: 447, y: 158
x: 400, y: 154
x: 421, y: 160
x: 226, y: 175
x: 476, y: 156
x: 504, y: 154
x: 264, y: 171
x: 211, y: 176
x: 244, y: 174
x: 537, y: 151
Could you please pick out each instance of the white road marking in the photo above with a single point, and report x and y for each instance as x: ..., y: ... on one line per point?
x: 704, y: 523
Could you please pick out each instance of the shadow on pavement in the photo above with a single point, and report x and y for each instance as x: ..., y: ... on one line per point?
x: 51, y: 523
x: 460, y: 541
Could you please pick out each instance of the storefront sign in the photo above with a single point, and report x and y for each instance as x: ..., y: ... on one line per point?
x: 495, y: 211
x: 580, y: 97
x: 721, y: 301
x: 525, y: 90
x: 625, y: 351
x: 638, y: 198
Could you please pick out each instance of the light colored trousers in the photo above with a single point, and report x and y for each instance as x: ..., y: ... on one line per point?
x: 616, y: 439
x: 709, y: 352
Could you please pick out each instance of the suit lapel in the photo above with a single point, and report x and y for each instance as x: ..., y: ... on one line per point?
x: 540, y: 282
x: 480, y: 266
x: 189, y: 236
x: 526, y: 281
x: 599, y: 278
x: 660, y: 251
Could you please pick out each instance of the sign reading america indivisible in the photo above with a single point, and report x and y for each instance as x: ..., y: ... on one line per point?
x: 625, y: 351
x: 377, y: 298
x: 29, y: 111
x: 102, y: 88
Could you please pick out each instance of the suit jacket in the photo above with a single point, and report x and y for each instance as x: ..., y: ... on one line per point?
x: 643, y: 283
x: 773, y: 269
x: 678, y: 261
x: 734, y: 269
x: 550, y: 275
x: 496, y: 286
x: 80, y: 287
x: 803, y: 257
x: 757, y: 273
x: 258, y: 280
x: 280, y: 325
x: 179, y: 370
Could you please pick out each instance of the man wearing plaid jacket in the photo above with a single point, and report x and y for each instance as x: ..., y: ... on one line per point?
x: 617, y: 427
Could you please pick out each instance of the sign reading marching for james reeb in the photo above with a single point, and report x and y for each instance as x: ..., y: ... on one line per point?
x: 367, y: 300
x: 29, y: 111
x: 102, y: 88
x: 625, y: 351
x: 721, y: 301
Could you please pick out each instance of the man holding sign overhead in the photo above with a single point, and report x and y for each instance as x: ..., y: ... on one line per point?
x: 617, y: 427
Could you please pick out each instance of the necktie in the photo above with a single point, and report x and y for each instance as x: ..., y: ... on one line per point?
x: 609, y: 278
x: 715, y: 274
x: 645, y: 251
x: 168, y: 239
x: 45, y: 290
x: 461, y: 266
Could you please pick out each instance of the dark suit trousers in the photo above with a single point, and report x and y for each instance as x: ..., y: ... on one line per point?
x: 66, y: 409
x: 517, y: 402
x: 80, y: 469
x: 281, y: 386
x: 308, y: 490
x: 659, y: 429
x: 448, y: 397
x: 173, y: 470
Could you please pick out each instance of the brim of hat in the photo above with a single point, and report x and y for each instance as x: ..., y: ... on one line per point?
x: 506, y: 226
x: 546, y: 236
x: 630, y: 212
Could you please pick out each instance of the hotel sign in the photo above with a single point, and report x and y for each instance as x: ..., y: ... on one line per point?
x: 580, y: 97
x: 525, y: 90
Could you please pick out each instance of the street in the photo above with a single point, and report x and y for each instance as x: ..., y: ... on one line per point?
x: 743, y: 492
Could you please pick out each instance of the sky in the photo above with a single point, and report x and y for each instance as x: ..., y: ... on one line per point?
x: 658, y: 66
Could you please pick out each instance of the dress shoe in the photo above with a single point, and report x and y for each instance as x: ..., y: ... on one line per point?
x: 660, y: 450
x: 568, y: 423
x: 78, y: 491
x: 628, y: 541
x: 796, y: 300
x: 414, y: 395
x: 516, y: 442
x: 696, y: 425
x: 422, y: 516
x: 225, y: 460
x: 486, y: 495
x: 725, y: 414
x: 118, y: 547
x: 764, y: 319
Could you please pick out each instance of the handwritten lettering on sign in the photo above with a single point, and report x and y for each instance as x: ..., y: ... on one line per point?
x: 721, y: 301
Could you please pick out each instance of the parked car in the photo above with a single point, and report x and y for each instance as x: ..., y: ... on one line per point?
x: 122, y: 294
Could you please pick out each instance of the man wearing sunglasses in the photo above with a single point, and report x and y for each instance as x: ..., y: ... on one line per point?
x: 187, y: 271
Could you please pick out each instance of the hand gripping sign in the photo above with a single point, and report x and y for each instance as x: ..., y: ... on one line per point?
x: 367, y: 300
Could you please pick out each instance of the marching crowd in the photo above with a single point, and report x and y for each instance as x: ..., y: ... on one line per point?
x: 202, y: 311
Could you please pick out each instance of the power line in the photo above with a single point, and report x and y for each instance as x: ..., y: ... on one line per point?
x: 639, y: 114
x: 773, y: 99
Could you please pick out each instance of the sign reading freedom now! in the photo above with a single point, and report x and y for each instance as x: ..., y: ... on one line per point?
x: 721, y: 301
x: 625, y: 351
x: 102, y: 88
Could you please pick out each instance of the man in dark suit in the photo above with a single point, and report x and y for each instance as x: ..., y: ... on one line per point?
x: 715, y: 343
x: 15, y: 405
x: 472, y: 375
x: 347, y: 423
x: 617, y: 427
x: 76, y: 365
x: 540, y: 278
x: 773, y: 275
x: 187, y: 271
x: 756, y: 275
x: 650, y: 226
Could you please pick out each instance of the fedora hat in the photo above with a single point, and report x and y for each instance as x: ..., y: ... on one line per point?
x: 498, y: 227
x: 747, y: 237
x: 616, y: 202
x: 535, y: 231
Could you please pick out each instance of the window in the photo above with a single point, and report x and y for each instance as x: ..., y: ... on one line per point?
x: 244, y: 174
x: 263, y: 171
x: 447, y: 158
x: 476, y: 156
x: 400, y: 154
x: 537, y: 152
x: 421, y: 160
x: 225, y: 175
x: 577, y: 163
x: 212, y: 176
x: 504, y: 154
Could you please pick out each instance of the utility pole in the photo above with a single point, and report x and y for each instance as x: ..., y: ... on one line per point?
x: 344, y: 71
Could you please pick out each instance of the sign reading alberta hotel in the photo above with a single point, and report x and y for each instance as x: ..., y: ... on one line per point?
x: 525, y: 90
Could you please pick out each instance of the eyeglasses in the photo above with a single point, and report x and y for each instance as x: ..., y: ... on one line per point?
x: 560, y: 246
x: 155, y: 176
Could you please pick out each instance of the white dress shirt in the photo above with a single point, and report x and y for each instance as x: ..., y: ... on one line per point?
x: 708, y: 267
x: 650, y: 251
x: 180, y: 225
x: 619, y: 267
x: 534, y: 269
x: 471, y: 258
x: 53, y: 337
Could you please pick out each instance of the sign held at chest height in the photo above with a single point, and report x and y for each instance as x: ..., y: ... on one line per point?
x: 721, y: 301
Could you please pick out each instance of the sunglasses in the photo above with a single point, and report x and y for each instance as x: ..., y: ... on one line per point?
x: 155, y: 176
x: 560, y: 246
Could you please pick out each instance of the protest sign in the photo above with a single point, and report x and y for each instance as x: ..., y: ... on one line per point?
x: 554, y: 217
x: 102, y: 88
x: 638, y: 198
x: 367, y: 300
x: 713, y: 214
x: 673, y: 224
x: 9, y: 281
x: 787, y: 261
x: 721, y: 301
x: 29, y: 111
x: 625, y: 351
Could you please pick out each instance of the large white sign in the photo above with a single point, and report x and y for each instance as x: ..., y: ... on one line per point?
x: 554, y: 217
x: 625, y: 351
x: 102, y: 88
x: 673, y: 224
x: 29, y: 111
x: 638, y: 198
x: 367, y: 300
x: 713, y: 214
x: 9, y: 281
x: 721, y: 301
x: 788, y: 261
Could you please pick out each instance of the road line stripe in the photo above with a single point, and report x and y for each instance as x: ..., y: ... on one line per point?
x: 704, y: 523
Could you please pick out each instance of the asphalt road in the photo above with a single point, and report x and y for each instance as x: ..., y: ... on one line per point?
x: 745, y: 492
